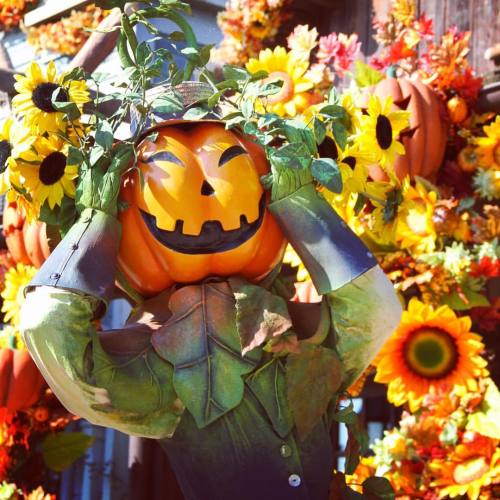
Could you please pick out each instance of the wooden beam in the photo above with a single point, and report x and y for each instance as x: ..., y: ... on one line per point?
x: 52, y: 10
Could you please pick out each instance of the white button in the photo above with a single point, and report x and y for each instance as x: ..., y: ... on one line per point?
x: 294, y: 480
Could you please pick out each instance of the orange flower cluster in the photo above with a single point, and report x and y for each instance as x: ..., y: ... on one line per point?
x: 447, y: 67
x: 447, y: 449
x: 247, y: 25
x: 12, y: 12
x: 21, y: 434
x: 67, y: 35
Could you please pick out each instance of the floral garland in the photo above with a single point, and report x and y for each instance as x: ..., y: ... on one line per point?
x: 12, y: 12
x: 67, y: 35
x: 247, y: 25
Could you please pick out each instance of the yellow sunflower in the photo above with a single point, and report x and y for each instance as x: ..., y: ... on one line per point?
x: 34, y: 99
x: 10, y: 338
x: 415, y: 226
x: 16, y: 279
x: 432, y: 351
x: 15, y: 143
x: 467, y: 471
x: 353, y: 162
x: 488, y: 148
x: 50, y: 178
x: 380, y: 129
x: 287, y: 67
x: 292, y: 259
x: 348, y: 102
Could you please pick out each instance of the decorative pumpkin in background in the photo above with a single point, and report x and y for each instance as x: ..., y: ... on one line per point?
x: 202, y: 210
x: 425, y: 138
x: 27, y: 242
x: 20, y: 380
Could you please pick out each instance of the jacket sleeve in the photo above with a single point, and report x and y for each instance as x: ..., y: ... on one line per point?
x: 364, y: 314
x: 364, y: 307
x: 128, y: 387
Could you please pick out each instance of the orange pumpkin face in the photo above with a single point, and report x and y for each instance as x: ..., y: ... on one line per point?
x: 27, y: 241
x: 202, y: 211
x: 425, y: 138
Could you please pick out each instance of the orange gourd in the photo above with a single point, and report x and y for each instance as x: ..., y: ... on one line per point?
x: 202, y: 210
x: 26, y: 241
x: 425, y: 138
x: 457, y: 109
x: 20, y: 380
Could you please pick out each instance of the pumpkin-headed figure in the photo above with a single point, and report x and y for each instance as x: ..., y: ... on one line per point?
x: 201, y: 210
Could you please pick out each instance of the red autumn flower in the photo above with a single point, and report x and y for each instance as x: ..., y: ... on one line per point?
x: 486, y: 267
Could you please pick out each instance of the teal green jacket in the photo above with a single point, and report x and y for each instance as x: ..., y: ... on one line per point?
x: 176, y: 371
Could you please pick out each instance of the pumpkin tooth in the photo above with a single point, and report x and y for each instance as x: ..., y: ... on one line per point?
x: 179, y: 225
x: 243, y: 220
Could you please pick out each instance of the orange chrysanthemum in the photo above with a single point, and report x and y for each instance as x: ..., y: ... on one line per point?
x: 431, y: 351
x: 471, y: 467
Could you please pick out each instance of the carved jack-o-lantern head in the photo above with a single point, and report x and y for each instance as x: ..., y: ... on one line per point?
x: 201, y: 212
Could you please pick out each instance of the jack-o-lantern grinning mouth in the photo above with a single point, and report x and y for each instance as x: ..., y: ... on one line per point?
x: 212, y: 238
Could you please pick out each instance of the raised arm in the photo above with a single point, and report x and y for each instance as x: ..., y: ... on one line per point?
x: 113, y: 379
x: 364, y: 306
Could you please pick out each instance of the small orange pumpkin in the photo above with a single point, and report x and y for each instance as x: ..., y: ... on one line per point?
x: 20, y: 380
x: 457, y: 109
x: 27, y: 242
x: 202, y: 211
x: 467, y: 159
x: 425, y: 138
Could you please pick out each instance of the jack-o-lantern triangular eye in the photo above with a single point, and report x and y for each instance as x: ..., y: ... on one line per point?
x: 230, y: 153
x: 403, y: 103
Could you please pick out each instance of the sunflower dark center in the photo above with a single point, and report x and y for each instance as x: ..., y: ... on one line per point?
x: 384, y: 132
x: 431, y: 353
x: 328, y: 149
x: 52, y: 168
x: 5, y: 151
x: 42, y: 96
x: 350, y: 160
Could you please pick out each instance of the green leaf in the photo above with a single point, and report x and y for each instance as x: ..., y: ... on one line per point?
x: 378, y: 487
x: 268, y: 384
x: 234, y: 73
x: 75, y: 156
x: 61, y: 449
x: 327, y: 173
x: 340, y: 133
x: 201, y: 341
x: 333, y: 111
x: 196, y: 113
x: 298, y: 131
x: 70, y: 109
x: 167, y: 103
x: 104, y: 135
x: 319, y: 130
x: 205, y: 52
x: 294, y: 155
x: 214, y: 99
x: 313, y: 377
x: 228, y: 84
x: 62, y: 216
x: 352, y: 451
x: 456, y: 302
x: 143, y: 54
x: 365, y: 75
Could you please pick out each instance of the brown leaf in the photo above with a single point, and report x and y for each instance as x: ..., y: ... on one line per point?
x: 260, y: 315
x: 313, y: 377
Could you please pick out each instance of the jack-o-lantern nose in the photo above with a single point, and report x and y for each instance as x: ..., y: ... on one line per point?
x: 207, y: 189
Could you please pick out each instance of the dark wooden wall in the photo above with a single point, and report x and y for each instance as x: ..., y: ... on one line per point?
x: 482, y: 17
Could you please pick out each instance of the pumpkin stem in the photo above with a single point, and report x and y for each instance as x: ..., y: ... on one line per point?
x: 12, y: 342
x: 391, y: 71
